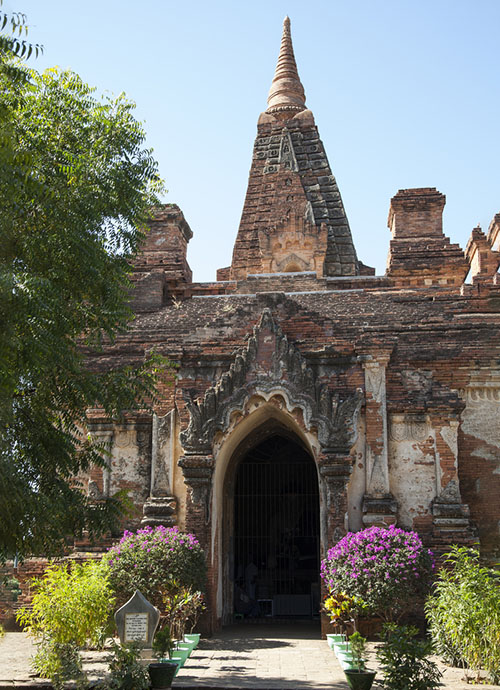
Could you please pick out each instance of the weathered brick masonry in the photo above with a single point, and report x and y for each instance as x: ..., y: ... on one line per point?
x: 390, y: 383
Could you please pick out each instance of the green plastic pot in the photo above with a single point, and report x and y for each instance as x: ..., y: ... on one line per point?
x: 180, y: 654
x: 162, y: 674
x: 341, y: 647
x: 359, y: 680
x: 347, y: 661
x: 180, y: 660
x: 331, y: 638
x: 192, y: 637
x: 184, y: 646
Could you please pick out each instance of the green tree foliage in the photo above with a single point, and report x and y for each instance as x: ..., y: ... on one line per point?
x: 464, y: 613
x: 76, y: 183
x: 13, y: 43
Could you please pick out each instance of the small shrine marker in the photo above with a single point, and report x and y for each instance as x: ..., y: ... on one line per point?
x: 137, y: 620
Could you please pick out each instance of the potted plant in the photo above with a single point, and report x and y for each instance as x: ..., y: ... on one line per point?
x: 176, y: 600
x: 163, y: 671
x: 343, y: 610
x: 357, y: 676
x: 195, y: 607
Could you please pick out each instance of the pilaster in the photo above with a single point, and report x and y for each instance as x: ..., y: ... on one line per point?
x: 198, y: 471
x: 379, y: 506
x: 450, y: 516
x: 334, y: 470
x: 161, y: 506
x: 104, y: 438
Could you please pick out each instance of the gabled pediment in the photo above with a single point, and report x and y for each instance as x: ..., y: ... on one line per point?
x: 270, y: 363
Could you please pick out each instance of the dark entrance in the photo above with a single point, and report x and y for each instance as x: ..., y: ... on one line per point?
x: 276, y: 532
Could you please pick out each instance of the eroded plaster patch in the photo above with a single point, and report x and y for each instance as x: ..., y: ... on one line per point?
x: 412, y: 467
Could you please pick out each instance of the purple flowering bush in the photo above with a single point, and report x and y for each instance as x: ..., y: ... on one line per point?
x: 150, y: 558
x: 389, y: 569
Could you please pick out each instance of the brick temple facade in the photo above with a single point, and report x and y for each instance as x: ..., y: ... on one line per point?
x: 311, y: 396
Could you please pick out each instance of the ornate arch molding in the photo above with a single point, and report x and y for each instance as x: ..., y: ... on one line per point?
x: 270, y: 363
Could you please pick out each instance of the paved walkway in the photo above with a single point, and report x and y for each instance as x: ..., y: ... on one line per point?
x: 264, y: 657
x: 251, y: 657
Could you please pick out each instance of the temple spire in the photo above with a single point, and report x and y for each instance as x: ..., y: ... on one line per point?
x: 287, y: 92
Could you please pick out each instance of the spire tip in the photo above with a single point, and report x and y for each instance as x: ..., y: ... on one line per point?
x: 287, y: 92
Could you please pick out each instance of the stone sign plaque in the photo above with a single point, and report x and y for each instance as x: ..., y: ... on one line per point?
x: 137, y: 620
x: 136, y: 627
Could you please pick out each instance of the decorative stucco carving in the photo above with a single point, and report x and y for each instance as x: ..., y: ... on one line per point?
x: 335, y: 472
x: 450, y: 493
x: 161, y: 507
x: 334, y: 419
x: 163, y: 431
x: 198, y: 471
x: 409, y: 427
x: 481, y: 393
x: 144, y: 440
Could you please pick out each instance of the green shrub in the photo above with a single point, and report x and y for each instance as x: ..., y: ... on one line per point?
x: 2, y: 631
x: 59, y: 661
x: 181, y: 607
x: 151, y: 558
x: 464, y: 613
x: 404, y: 660
x: 163, y: 643
x: 125, y: 668
x: 357, y: 644
x: 70, y: 605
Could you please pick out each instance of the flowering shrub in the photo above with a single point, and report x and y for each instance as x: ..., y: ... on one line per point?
x: 149, y: 558
x: 388, y: 569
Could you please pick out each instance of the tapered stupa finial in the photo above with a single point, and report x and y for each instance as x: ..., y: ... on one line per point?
x: 287, y: 92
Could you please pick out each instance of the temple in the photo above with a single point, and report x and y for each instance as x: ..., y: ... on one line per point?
x: 310, y: 396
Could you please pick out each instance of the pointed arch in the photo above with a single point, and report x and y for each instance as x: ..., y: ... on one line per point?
x: 266, y: 418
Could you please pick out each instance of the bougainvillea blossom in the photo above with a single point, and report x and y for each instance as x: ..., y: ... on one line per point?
x: 388, y: 568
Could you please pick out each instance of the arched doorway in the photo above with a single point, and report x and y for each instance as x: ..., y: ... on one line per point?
x: 276, y: 533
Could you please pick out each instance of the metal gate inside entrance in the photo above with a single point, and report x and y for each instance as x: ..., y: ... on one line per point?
x: 276, y: 532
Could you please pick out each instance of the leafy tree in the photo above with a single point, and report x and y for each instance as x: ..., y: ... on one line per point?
x: 76, y: 183
x: 13, y: 44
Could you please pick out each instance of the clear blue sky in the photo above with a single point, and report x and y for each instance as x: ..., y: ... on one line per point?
x: 405, y: 93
